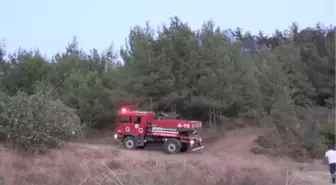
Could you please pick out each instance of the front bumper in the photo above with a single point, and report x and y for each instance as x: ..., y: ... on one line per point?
x: 118, y: 136
x: 196, y: 145
x: 198, y: 148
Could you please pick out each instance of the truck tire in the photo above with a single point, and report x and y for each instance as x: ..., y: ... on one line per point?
x: 172, y: 146
x: 129, y: 142
x: 184, y: 147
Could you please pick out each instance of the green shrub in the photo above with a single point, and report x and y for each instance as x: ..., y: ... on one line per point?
x: 36, y: 121
x: 328, y: 133
x: 298, y: 132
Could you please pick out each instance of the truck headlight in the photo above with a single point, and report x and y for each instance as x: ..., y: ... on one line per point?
x: 115, y: 136
x: 192, y: 142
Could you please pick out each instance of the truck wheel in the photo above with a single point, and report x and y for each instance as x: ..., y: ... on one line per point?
x: 129, y: 142
x: 172, y: 146
x: 184, y: 147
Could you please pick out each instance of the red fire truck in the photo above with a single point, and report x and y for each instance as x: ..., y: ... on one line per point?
x: 137, y: 128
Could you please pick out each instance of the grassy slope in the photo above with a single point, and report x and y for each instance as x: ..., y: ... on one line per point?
x: 223, y: 162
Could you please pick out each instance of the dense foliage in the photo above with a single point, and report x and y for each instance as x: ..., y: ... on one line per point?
x: 207, y: 74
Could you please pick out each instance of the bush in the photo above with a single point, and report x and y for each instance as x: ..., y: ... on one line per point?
x: 36, y: 121
x: 296, y: 131
x: 4, y: 100
x: 328, y: 133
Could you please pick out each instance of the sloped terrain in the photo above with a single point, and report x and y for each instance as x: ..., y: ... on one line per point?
x: 227, y: 161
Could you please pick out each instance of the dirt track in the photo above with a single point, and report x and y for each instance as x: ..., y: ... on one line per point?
x: 84, y: 163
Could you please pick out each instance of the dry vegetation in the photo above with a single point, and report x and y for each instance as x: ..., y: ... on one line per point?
x: 224, y: 162
x: 284, y: 83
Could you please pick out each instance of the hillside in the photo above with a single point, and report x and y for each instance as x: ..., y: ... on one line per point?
x: 282, y: 82
x: 227, y: 161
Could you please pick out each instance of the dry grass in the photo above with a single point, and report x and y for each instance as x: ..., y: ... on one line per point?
x: 223, y: 163
x: 147, y: 172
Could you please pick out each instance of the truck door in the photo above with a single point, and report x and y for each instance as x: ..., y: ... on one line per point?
x: 124, y: 123
x: 139, y: 125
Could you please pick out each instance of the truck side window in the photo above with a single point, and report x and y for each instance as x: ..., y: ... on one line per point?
x: 137, y: 120
x: 125, y: 119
